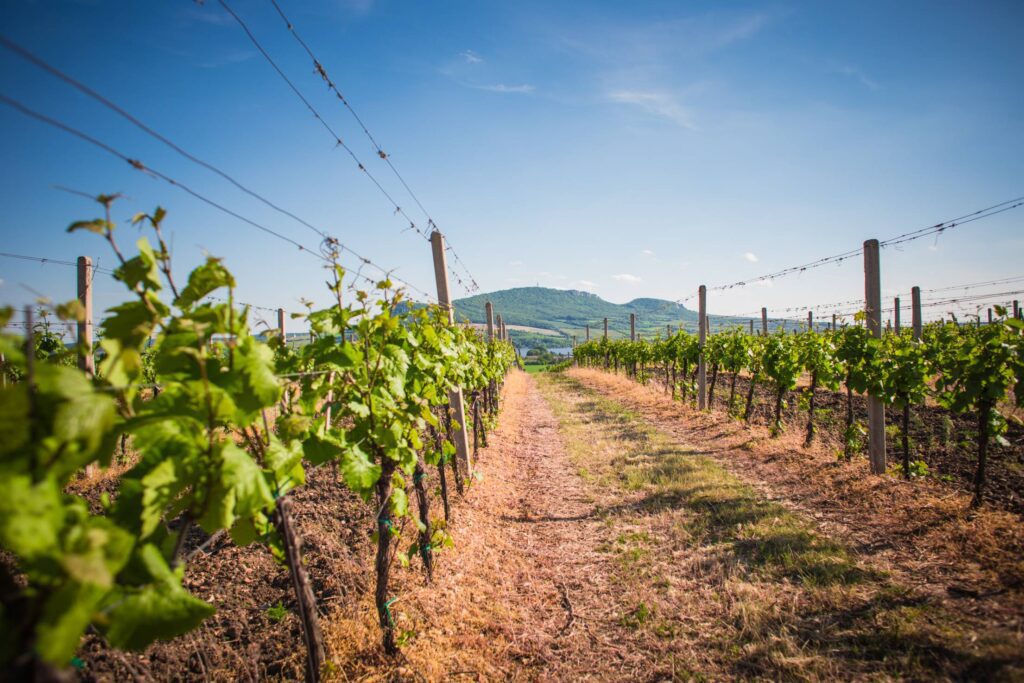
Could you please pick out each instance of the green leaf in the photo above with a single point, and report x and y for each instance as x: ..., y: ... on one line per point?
x: 157, y: 612
x: 66, y: 615
x: 359, y: 471
x: 31, y: 517
x: 203, y: 280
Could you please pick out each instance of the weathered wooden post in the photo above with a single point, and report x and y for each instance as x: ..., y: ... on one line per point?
x: 1016, y: 308
x: 668, y: 331
x: 489, y: 311
x: 810, y: 321
x: 606, y: 328
x: 702, y: 369
x: 990, y: 316
x: 873, y: 308
x: 455, y: 395
x: 896, y: 314
x: 915, y: 312
x: 632, y: 327
x: 764, y: 321
x: 833, y: 322
x: 588, y: 332
x: 281, y: 326
x: 751, y: 327
x: 86, y: 359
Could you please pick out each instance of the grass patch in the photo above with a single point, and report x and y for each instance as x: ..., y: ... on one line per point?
x: 708, y: 561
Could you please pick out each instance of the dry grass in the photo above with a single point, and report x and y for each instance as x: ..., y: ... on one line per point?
x: 736, y: 585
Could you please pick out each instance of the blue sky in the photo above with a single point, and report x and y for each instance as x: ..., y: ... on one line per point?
x: 629, y: 149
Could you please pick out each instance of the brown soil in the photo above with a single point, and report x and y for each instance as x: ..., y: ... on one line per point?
x: 923, y: 531
x: 944, y: 440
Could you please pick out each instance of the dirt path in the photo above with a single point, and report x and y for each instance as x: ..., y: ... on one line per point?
x: 525, y: 594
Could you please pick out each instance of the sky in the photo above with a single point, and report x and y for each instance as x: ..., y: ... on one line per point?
x: 631, y: 150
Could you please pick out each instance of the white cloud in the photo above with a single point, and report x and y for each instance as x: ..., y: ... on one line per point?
x: 647, y: 252
x: 751, y: 256
x: 470, y: 57
x: 859, y: 76
x: 523, y: 88
x: 585, y: 285
x: 627, y: 278
x: 516, y: 262
x: 655, y: 102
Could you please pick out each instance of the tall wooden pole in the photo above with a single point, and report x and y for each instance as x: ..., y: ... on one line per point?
x: 751, y: 327
x: 606, y: 328
x: 915, y: 312
x: 810, y: 321
x: 702, y: 368
x: 896, y: 314
x: 764, y: 321
x: 281, y: 328
x: 455, y: 395
x: 833, y: 322
x: 632, y: 326
x: 990, y: 316
x: 86, y: 358
x: 588, y: 332
x: 873, y: 308
x: 489, y: 311
x: 1016, y: 308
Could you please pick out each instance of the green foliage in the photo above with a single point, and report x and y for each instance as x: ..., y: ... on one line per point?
x: 207, y: 455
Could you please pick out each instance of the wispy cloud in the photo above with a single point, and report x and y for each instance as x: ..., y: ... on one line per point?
x: 627, y: 278
x: 858, y: 75
x: 470, y: 57
x: 523, y: 88
x: 585, y: 285
x: 751, y: 256
x: 647, y: 252
x: 658, y: 103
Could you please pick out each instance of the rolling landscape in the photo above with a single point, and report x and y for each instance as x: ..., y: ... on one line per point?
x: 562, y: 313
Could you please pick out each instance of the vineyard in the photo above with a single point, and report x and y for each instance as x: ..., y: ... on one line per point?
x: 250, y: 431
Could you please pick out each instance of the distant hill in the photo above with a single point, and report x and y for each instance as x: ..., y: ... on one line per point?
x: 568, y: 312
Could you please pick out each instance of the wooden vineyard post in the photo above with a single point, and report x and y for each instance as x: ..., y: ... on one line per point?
x: 873, y: 308
x: 281, y: 329
x: 588, y: 332
x: 764, y: 321
x: 990, y: 316
x: 833, y: 322
x: 574, y: 342
x: 86, y: 359
x: 810, y: 321
x: 308, y: 617
x: 489, y: 309
x: 896, y: 315
x: 702, y: 368
x: 915, y: 312
x: 1016, y: 308
x: 668, y: 331
x: 632, y: 327
x: 751, y: 327
x: 606, y: 328
x: 455, y: 395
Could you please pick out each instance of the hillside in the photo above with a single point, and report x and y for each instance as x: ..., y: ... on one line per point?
x: 568, y: 312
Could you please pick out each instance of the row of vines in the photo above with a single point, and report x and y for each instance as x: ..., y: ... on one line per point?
x: 226, y: 424
x: 975, y: 370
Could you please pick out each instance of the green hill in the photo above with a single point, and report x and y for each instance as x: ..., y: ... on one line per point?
x: 568, y: 312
